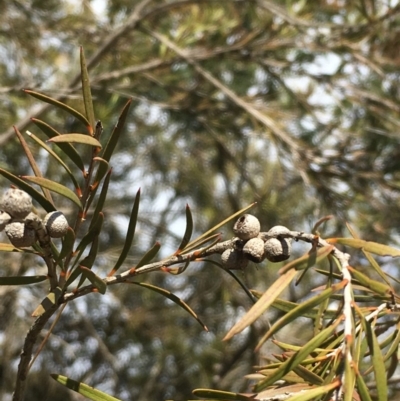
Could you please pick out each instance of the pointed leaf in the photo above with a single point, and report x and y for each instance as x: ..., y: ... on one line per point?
x: 129, y: 235
x: 220, y: 395
x: 37, y: 196
x: 299, y: 311
x: 149, y: 255
x: 362, y: 388
x: 369, y: 246
x: 79, y: 116
x: 12, y: 248
x: 94, y: 279
x: 32, y: 162
x: 67, y: 148
x: 68, y: 242
x: 377, y: 362
x: 113, y: 140
x: 93, y: 232
x: 309, y: 259
x: 263, y: 303
x: 102, y: 198
x: 48, y: 302
x: 102, y: 170
x: 21, y: 280
x: 298, y: 357
x: 56, y: 157
x: 55, y: 187
x: 87, y: 95
x: 188, y: 231
x: 84, y: 389
x: 315, y: 392
x: 76, y: 138
x: 376, y: 286
x: 173, y: 298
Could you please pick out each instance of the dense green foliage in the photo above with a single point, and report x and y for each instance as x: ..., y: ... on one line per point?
x: 291, y: 104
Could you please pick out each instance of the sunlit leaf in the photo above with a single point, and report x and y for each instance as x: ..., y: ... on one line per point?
x: 76, y: 138
x: 299, y: 311
x: 220, y: 395
x: 315, y: 392
x: 84, y: 389
x: 369, y: 246
x: 87, y: 95
x: 79, y: 116
x: 21, y: 280
x: 67, y: 148
x: 377, y: 362
x: 12, y: 248
x: 48, y: 302
x: 37, y: 196
x: 55, y: 187
x: 376, y: 286
x: 56, y: 157
x: 263, y: 303
x: 129, y: 235
x: 32, y: 162
x: 298, y: 357
x: 174, y: 299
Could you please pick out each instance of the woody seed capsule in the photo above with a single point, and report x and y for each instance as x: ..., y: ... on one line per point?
x: 247, y: 226
x: 16, y: 203
x: 254, y: 250
x: 20, y: 235
x: 233, y: 259
x: 56, y: 224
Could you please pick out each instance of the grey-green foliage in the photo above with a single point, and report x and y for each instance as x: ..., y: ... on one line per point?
x: 325, y: 75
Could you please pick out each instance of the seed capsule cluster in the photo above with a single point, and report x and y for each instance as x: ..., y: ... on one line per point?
x: 250, y: 245
x: 21, y: 225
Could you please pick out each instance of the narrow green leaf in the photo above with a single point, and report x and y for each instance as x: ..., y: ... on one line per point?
x: 79, y: 116
x: 37, y: 196
x: 308, y: 260
x: 76, y: 138
x: 56, y: 157
x: 92, y: 233
x: 32, y: 162
x: 377, y: 362
x: 87, y: 95
x: 362, y: 388
x: 55, y: 187
x: 369, y: 246
x: 373, y: 285
x: 94, y: 279
x: 149, y: 255
x: 115, y: 135
x: 68, y: 242
x: 129, y: 235
x: 102, y: 198
x: 394, y: 344
x: 371, y: 260
x: 67, y: 148
x: 299, y: 311
x: 102, y: 170
x: 21, y: 280
x: 349, y: 380
x: 173, y: 298
x: 193, y: 244
x: 298, y: 357
x: 12, y: 248
x: 48, y: 302
x: 220, y: 395
x: 263, y: 303
x: 188, y: 231
x: 84, y: 389
x: 308, y: 375
x: 315, y: 392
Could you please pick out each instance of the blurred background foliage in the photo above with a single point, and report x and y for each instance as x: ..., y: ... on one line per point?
x: 293, y: 104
